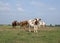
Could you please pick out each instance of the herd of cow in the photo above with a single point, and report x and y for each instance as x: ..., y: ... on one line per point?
x: 35, y: 23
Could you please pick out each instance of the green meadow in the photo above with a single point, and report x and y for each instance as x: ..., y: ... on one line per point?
x: 10, y: 35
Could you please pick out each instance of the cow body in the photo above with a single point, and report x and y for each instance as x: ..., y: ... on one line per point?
x: 34, y: 24
x: 42, y: 24
x: 23, y: 24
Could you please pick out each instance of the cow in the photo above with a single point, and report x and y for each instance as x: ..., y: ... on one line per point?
x: 42, y: 24
x: 14, y: 24
x: 23, y: 23
x: 34, y: 23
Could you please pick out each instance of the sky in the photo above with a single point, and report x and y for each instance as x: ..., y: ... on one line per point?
x: 47, y: 10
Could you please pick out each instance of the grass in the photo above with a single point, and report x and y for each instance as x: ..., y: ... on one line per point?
x: 22, y: 36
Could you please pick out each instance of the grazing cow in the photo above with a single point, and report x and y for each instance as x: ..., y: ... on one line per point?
x: 34, y: 23
x: 14, y: 24
x: 23, y: 23
x: 42, y: 24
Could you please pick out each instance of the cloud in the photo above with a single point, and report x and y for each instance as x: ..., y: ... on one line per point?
x: 41, y: 7
x: 18, y: 5
x: 40, y: 4
x: 20, y: 9
x: 4, y: 6
x: 52, y: 8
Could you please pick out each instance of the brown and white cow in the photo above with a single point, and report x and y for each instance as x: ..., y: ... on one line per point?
x: 34, y: 23
x: 42, y: 24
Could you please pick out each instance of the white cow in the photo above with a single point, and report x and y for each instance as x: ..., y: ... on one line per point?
x: 42, y: 24
x: 34, y: 23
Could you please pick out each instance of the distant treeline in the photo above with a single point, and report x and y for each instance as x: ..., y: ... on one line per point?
x: 57, y: 25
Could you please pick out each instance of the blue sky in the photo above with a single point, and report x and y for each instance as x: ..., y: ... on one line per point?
x: 47, y: 10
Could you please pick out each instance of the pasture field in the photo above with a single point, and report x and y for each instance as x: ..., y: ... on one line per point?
x: 44, y: 35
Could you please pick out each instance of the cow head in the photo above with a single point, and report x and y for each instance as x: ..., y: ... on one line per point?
x: 37, y: 20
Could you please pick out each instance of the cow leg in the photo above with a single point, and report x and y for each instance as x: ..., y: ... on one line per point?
x: 35, y: 28
x: 20, y: 27
x: 14, y: 27
x: 29, y: 29
x: 24, y: 27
